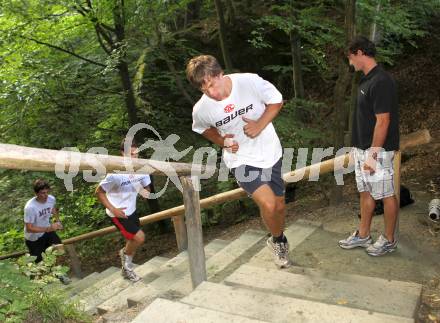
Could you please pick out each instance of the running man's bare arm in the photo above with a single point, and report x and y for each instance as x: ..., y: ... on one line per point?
x: 254, y: 127
x: 102, y: 197
x: 34, y: 229
x: 214, y: 136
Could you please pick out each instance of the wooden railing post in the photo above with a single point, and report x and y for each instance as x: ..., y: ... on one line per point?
x: 180, y: 230
x: 196, y: 253
x: 75, y: 263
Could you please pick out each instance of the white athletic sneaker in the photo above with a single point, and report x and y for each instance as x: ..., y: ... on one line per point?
x: 130, y: 275
x: 354, y: 241
x: 280, y: 252
x: 381, y: 247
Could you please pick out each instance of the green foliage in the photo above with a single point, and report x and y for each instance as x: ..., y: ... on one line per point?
x: 11, y: 240
x: 23, y: 292
x: 311, y: 22
x: 398, y: 23
x: 14, y: 287
x: 293, y: 133
x: 52, y: 307
x: 46, y: 271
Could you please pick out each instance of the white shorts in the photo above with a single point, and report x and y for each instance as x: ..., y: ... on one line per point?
x: 380, y: 184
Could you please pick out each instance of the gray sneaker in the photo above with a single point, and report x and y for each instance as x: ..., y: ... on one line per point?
x: 280, y: 252
x: 64, y: 279
x: 130, y: 275
x: 354, y: 241
x: 381, y: 247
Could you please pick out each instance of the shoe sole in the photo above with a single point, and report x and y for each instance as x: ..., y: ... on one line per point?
x: 381, y: 254
x: 285, y: 266
x: 125, y: 276
x: 353, y: 246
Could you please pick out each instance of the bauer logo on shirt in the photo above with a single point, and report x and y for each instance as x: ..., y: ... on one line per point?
x: 234, y: 115
x: 229, y: 108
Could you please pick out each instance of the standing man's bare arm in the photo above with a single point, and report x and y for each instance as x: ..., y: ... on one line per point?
x: 379, y: 137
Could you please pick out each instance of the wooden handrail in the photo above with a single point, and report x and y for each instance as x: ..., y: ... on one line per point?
x: 38, y: 159
x: 411, y: 140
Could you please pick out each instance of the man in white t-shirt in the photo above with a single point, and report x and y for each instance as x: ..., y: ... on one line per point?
x: 39, y: 232
x: 236, y: 113
x: 118, y: 193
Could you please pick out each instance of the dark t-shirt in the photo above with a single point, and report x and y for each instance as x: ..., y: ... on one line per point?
x: 377, y: 94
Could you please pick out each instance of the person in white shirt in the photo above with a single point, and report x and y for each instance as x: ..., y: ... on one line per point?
x: 118, y: 193
x: 236, y: 112
x: 39, y: 232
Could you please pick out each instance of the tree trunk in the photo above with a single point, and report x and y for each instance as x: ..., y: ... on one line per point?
x: 127, y: 85
x: 231, y: 12
x: 297, y: 80
x: 298, y: 85
x: 373, y: 32
x: 340, y: 112
x: 222, y: 33
x: 192, y: 11
x: 129, y: 98
x: 352, y: 106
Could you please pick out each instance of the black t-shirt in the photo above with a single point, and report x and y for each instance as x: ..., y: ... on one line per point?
x: 377, y: 94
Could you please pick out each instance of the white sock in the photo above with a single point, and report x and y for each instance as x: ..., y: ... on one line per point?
x: 129, y: 262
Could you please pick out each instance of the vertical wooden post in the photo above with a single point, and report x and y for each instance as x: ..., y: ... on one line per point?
x: 180, y: 230
x: 74, y: 260
x: 396, y: 168
x: 196, y: 253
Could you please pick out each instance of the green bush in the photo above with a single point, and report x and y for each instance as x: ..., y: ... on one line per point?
x: 25, y: 295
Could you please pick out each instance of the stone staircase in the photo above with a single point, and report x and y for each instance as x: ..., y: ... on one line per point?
x: 245, y: 286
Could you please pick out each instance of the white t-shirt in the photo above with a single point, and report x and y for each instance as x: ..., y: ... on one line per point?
x: 38, y: 214
x: 249, y: 96
x: 122, y: 190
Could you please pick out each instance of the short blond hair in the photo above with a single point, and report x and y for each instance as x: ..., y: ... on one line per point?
x: 201, y: 67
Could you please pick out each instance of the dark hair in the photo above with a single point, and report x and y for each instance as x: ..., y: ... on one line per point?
x: 363, y: 44
x: 200, y: 67
x: 133, y: 143
x: 40, y: 184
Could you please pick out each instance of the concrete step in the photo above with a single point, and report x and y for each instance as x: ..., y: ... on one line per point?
x: 76, y: 287
x: 165, y: 311
x: 91, y: 280
x: 367, y: 293
x: 120, y: 288
x: 169, y: 274
x: 156, y: 281
x: 296, y: 233
x: 277, y: 308
x: 225, y: 261
x: 116, y: 283
x: 98, y: 282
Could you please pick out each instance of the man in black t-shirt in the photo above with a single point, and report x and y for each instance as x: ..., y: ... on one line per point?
x: 375, y: 137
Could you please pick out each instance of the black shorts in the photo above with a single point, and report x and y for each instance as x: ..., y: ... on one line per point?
x: 129, y: 226
x: 250, y: 178
x: 37, y: 247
